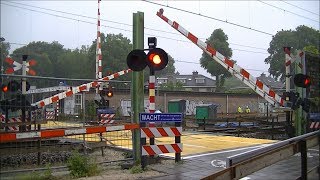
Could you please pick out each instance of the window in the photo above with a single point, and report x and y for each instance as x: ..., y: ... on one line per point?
x: 77, y: 108
x: 199, y: 80
x: 182, y: 80
x: 162, y: 80
x: 77, y: 99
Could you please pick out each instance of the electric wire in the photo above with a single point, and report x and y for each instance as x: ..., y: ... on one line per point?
x: 79, y: 20
x: 190, y: 62
x: 287, y: 11
x: 121, y: 23
x: 300, y: 8
x: 209, y: 17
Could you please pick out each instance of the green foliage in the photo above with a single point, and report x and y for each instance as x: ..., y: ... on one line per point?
x: 90, y: 109
x: 4, y: 51
x: 219, y: 41
x: 79, y: 166
x: 136, y: 169
x: 312, y: 49
x: 300, y: 38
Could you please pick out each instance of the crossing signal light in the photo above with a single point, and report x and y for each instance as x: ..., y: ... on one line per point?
x: 4, y: 88
x: 302, y: 80
x: 157, y: 59
x: 136, y: 60
x: 14, y: 86
x: 109, y: 93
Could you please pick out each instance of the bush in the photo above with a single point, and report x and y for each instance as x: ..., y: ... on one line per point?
x: 136, y: 169
x: 79, y: 166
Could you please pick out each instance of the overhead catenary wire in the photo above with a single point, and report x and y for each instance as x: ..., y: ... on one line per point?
x: 112, y: 27
x: 296, y: 14
x: 209, y: 17
x: 121, y: 23
x: 300, y: 8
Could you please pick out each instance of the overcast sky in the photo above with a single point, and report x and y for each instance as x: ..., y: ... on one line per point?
x: 21, y: 23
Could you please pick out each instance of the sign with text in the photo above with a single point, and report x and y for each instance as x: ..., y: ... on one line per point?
x: 160, y: 117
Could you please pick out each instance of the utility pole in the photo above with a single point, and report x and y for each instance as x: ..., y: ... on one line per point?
x: 137, y: 87
x: 300, y: 118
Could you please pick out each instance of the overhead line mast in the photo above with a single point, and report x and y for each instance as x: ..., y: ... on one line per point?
x: 243, y: 75
x: 98, y: 49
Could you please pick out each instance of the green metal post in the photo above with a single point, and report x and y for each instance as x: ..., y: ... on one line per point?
x: 137, y: 87
x: 298, y: 113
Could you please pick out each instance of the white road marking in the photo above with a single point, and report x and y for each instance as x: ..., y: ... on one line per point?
x: 245, y: 178
x: 191, y: 145
x: 219, y: 163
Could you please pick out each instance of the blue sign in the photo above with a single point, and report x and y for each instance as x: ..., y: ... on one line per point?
x: 160, y: 117
x: 105, y: 111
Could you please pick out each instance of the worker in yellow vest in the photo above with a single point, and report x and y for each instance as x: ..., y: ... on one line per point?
x: 240, y: 110
x: 247, y: 109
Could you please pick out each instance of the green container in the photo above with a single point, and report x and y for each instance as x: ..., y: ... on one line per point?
x: 177, y: 106
x: 206, y: 112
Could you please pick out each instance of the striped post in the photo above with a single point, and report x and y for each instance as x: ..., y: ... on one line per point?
x: 98, y: 48
x: 228, y: 64
x: 152, y: 93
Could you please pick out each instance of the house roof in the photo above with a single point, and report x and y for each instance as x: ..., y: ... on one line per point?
x: 190, y: 80
x: 271, y: 82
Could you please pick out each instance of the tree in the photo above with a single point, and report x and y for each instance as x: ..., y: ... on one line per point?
x: 71, y: 65
x: 114, y: 48
x: 219, y: 41
x: 298, y: 39
x: 4, y: 52
x: 46, y: 54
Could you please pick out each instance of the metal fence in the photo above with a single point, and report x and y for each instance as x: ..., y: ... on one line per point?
x: 73, y: 114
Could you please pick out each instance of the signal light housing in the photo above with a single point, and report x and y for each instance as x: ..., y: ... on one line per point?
x: 14, y: 86
x: 302, y: 80
x: 156, y: 59
x: 136, y: 60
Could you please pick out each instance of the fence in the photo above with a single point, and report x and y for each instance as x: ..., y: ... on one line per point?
x: 241, y: 165
x: 54, y: 131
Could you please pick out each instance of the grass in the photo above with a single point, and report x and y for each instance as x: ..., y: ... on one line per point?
x: 79, y: 166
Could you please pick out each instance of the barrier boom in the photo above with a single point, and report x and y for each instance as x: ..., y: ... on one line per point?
x: 243, y: 75
x: 77, y: 89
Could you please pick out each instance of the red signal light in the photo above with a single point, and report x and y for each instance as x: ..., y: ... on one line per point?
x: 302, y: 80
x: 4, y: 88
x: 307, y: 82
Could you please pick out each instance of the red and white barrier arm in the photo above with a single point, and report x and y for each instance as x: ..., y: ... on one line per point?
x: 77, y: 89
x: 233, y: 68
x: 10, y: 137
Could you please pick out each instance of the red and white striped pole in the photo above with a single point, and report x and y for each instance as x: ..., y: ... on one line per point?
x: 98, y: 49
x: 263, y: 90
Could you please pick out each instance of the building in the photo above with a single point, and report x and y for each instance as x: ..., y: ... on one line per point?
x: 194, y: 82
